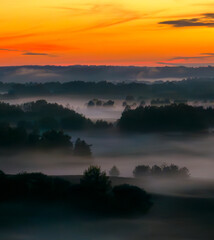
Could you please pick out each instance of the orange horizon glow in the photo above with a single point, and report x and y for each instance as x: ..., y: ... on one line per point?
x: 119, y: 32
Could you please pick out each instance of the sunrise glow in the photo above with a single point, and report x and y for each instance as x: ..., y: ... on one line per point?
x: 119, y: 32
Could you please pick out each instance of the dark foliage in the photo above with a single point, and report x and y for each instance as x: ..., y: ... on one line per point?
x: 33, y: 186
x: 109, y: 103
x: 100, y: 124
x: 44, y: 116
x: 99, y: 103
x: 131, y: 199
x: 129, y: 98
x: 114, y: 172
x: 52, y: 139
x: 94, y: 193
x: 199, y: 85
x: 97, y: 192
x: 161, y: 171
x: 167, y: 118
x: 160, y: 101
x: 19, y: 138
x: 81, y: 148
x: 95, y: 180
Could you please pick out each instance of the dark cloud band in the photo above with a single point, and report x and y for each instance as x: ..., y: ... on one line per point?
x: 206, y: 20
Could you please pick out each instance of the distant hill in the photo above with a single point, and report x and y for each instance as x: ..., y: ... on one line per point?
x: 21, y: 74
x: 190, y: 89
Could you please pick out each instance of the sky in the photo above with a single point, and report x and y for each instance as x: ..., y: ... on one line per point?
x: 107, y: 32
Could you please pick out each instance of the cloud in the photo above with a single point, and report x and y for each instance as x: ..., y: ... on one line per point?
x: 204, y: 20
x: 13, y: 37
x: 26, y: 53
x: 35, y: 54
x: 201, y: 56
x: 168, y: 63
x: 107, y: 24
x: 109, y: 15
x: 208, y: 54
x: 9, y: 50
x: 183, y: 60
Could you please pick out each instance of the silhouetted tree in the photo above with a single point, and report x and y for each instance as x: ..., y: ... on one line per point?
x: 34, y: 138
x: 91, y: 103
x: 95, y: 180
x: 163, y: 171
x: 81, y: 148
x: 114, y: 172
x: 100, y: 124
x: 141, y: 170
x: 55, y: 139
x: 166, y: 118
x: 130, y: 98
x: 48, y: 123
x: 109, y: 103
x: 156, y: 170
x: 2, y: 173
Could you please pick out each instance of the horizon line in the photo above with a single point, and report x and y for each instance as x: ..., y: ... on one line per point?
x: 104, y: 65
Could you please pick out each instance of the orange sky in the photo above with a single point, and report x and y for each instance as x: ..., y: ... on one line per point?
x: 113, y: 32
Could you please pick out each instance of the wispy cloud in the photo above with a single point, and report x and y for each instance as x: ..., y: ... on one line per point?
x: 38, y: 54
x: 201, y: 56
x: 18, y: 36
x: 26, y: 53
x: 34, y: 54
x: 204, y: 20
x: 9, y: 50
x: 107, y: 24
x: 109, y: 15
x: 182, y: 60
x: 168, y: 63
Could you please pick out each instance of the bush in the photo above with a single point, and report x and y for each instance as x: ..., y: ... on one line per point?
x: 131, y: 199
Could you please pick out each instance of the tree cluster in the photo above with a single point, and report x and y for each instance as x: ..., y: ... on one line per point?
x: 99, y: 103
x: 19, y: 138
x: 161, y: 171
x: 94, y: 193
x: 46, y: 116
x: 175, y: 117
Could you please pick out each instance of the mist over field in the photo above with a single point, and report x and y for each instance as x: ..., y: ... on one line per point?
x: 107, y: 120
x: 186, y: 203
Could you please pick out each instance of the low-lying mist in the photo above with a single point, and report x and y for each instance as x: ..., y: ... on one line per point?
x: 126, y: 151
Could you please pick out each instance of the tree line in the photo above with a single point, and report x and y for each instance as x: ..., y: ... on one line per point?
x: 192, y: 88
x: 94, y: 193
x: 17, y: 138
x: 174, y: 117
x: 46, y: 116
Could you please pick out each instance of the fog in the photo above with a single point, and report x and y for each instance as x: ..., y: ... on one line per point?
x: 194, y: 151
x: 110, y: 114
x: 80, y: 105
x: 126, y: 151
x: 183, y: 209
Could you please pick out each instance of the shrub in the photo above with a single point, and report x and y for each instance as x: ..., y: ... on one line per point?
x: 131, y: 199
